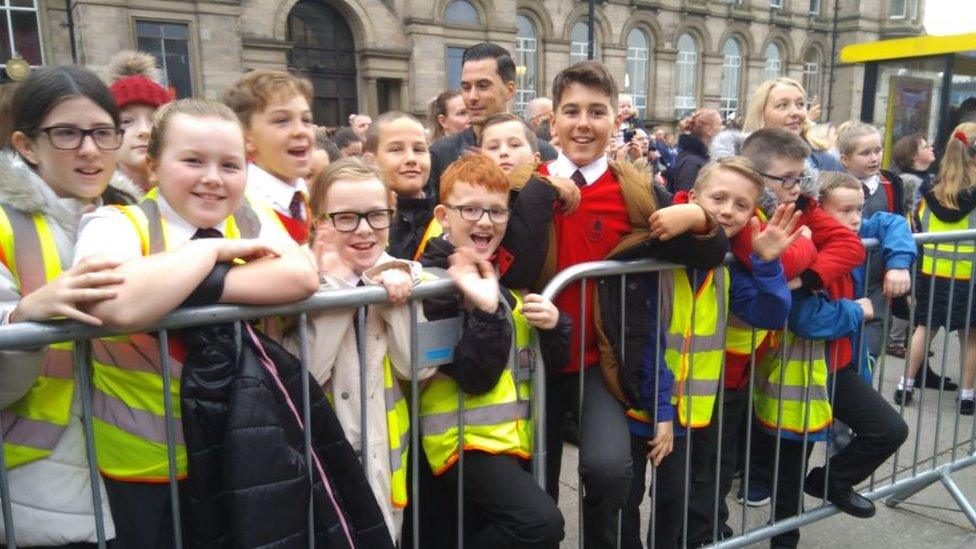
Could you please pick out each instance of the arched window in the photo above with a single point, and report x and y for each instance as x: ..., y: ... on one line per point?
x: 462, y: 12
x: 774, y: 62
x: 686, y: 76
x: 526, y: 57
x: 580, y: 43
x: 811, y: 75
x: 731, y: 75
x: 637, y: 69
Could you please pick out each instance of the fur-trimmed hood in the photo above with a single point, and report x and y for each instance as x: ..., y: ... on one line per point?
x: 22, y: 188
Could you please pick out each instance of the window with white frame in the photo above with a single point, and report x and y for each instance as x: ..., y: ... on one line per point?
x: 778, y: 4
x: 897, y: 9
x: 526, y: 56
x: 686, y: 76
x: 774, y: 62
x: 21, y: 34
x: 811, y: 75
x: 731, y: 74
x: 814, y: 7
x: 580, y: 43
x: 462, y: 12
x: 638, y: 56
x: 170, y: 43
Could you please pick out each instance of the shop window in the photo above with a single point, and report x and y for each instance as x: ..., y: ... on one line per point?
x: 686, y: 76
x: 461, y: 12
x: 19, y: 33
x: 170, y: 43
x: 638, y: 61
x: 526, y: 61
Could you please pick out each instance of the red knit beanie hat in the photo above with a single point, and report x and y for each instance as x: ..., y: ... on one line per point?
x: 133, y: 77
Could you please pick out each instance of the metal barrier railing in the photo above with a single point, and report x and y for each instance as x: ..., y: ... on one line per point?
x: 912, y: 479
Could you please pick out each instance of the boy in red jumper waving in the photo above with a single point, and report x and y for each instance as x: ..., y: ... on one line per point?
x: 617, y: 204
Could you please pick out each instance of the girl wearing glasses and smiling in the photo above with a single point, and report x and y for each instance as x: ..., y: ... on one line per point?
x: 62, y: 165
x: 194, y: 240
x: 352, y: 207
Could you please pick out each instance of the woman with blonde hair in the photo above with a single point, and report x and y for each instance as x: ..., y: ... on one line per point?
x: 781, y: 103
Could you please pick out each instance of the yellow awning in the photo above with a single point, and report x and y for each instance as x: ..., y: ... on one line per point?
x: 899, y: 48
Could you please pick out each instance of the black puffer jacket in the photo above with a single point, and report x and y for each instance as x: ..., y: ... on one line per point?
x: 248, y: 478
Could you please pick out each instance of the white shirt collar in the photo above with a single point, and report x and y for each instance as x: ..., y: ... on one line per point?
x: 178, y: 230
x: 272, y: 190
x: 872, y: 183
x: 562, y: 166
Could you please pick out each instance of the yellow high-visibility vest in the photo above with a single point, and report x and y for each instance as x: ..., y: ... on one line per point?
x: 496, y: 422
x: 128, y: 403
x: 34, y: 425
x: 738, y: 337
x: 398, y: 429
x: 938, y: 259
x: 792, y: 395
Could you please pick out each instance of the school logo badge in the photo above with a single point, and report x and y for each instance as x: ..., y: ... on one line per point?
x: 594, y: 227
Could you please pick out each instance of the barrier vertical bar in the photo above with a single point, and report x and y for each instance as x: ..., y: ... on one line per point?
x: 688, y: 397
x: 749, y: 424
x: 460, y: 444
x: 414, y: 425
x: 307, y: 421
x: 657, y: 384
x: 908, y: 356
x: 925, y: 368
x: 82, y: 363
x: 174, y: 491
x: 579, y: 418
x: 964, y: 346
x: 807, y: 357
x: 945, y: 352
x: 832, y: 380
x: 720, y: 402
x: 779, y: 430
x: 623, y: 360
x: 360, y: 321
x: 8, y: 516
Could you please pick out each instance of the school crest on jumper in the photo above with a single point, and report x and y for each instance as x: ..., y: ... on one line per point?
x: 594, y: 227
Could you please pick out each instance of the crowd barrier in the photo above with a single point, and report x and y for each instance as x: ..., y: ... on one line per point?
x: 911, y: 469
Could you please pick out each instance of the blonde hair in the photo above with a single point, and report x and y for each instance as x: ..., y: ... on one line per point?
x: 957, y: 171
x: 755, y: 118
x: 850, y: 132
x: 196, y: 108
x: 736, y: 164
x: 352, y: 168
x: 831, y: 181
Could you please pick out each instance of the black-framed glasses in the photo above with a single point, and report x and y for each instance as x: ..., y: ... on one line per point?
x: 347, y: 222
x: 70, y: 138
x: 786, y: 182
x: 475, y: 213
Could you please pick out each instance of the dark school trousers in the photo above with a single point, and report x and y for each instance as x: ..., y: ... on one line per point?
x: 668, y: 499
x: 704, y: 449
x: 503, y: 506
x: 878, y: 433
x: 143, y: 514
x: 605, y: 457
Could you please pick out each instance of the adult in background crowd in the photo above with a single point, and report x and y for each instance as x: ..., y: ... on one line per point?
x: 697, y: 133
x: 487, y: 86
x: 348, y: 142
x: 667, y: 156
x: 360, y: 124
x: 538, y: 113
x: 447, y: 115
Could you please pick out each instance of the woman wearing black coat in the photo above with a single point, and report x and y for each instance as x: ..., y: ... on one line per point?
x: 698, y: 131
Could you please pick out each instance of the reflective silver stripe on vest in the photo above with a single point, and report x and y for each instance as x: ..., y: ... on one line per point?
x: 30, y: 432
x: 793, y: 392
x: 494, y: 414
x: 150, y: 208
x: 27, y: 249
x: 132, y: 420
x: 58, y: 364
x: 694, y: 387
x: 391, y: 395
x: 954, y: 255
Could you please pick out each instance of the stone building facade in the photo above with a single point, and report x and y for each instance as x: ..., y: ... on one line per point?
x: 375, y: 55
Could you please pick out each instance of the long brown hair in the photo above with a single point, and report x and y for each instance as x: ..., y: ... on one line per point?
x: 957, y: 171
x: 437, y: 107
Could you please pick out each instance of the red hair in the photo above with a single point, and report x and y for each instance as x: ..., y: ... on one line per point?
x: 476, y: 170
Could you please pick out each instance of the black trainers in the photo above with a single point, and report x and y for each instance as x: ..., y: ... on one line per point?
x: 967, y: 406
x: 934, y: 381
x: 904, y: 396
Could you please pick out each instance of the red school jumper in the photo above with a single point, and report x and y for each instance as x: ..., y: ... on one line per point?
x: 588, y: 234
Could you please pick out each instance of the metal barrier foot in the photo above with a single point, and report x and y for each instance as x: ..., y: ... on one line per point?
x: 961, y: 501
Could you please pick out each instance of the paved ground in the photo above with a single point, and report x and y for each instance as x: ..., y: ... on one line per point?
x: 929, y: 519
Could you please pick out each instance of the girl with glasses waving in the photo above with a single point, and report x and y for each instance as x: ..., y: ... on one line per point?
x: 62, y: 165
